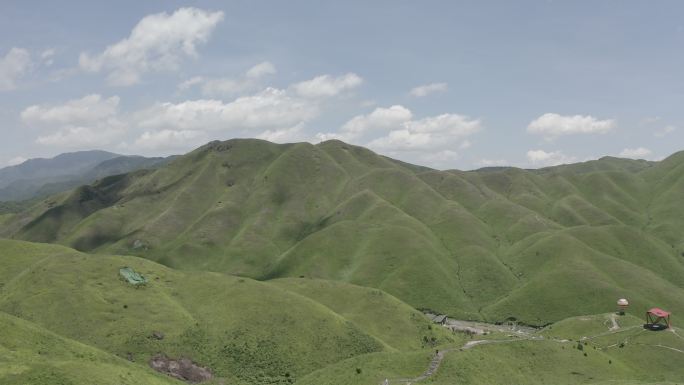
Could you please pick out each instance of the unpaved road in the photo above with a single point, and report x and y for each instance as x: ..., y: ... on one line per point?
x: 613, y: 320
x: 437, y: 359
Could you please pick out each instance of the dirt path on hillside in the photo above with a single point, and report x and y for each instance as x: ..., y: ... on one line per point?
x: 628, y: 339
x: 613, y: 319
x: 436, y: 361
x: 664, y: 347
x: 612, y: 331
x: 434, y: 364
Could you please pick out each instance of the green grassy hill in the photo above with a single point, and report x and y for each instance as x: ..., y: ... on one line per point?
x: 244, y: 330
x: 399, y: 326
x: 30, y: 354
x: 578, y: 350
x: 533, y: 245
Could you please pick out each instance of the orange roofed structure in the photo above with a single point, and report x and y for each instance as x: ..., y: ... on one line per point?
x: 655, y: 315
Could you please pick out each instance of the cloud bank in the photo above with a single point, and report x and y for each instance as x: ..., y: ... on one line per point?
x: 552, y: 125
x: 158, y: 42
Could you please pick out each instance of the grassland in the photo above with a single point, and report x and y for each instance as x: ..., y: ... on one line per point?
x: 67, y: 318
x: 30, y: 354
x: 244, y: 330
x: 535, y: 245
x: 310, y: 264
x: 578, y: 350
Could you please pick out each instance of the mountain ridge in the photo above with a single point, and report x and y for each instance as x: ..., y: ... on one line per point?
x: 475, y: 244
x: 41, y: 177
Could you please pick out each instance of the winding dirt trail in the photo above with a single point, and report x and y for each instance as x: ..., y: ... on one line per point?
x: 431, y: 369
x: 667, y: 347
x: 439, y: 357
x: 477, y: 328
x: 613, y: 319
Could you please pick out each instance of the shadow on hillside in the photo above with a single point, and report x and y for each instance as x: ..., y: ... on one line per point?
x: 655, y: 327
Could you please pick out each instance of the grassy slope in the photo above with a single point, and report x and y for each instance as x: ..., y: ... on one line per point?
x: 374, y: 367
x: 243, y: 329
x: 552, y: 360
x: 31, y: 355
x: 537, y: 246
x: 373, y: 311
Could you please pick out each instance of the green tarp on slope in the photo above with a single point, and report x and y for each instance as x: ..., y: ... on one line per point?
x: 131, y: 276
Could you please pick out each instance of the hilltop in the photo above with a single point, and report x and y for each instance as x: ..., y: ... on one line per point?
x: 535, y: 246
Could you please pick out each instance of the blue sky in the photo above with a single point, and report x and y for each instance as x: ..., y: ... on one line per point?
x: 441, y: 83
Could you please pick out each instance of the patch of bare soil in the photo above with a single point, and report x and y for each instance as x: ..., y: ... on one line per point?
x: 181, y: 368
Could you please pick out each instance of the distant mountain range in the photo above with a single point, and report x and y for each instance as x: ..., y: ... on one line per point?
x: 42, y: 177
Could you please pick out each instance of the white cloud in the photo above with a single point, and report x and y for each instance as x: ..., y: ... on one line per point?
x: 48, y: 53
x: 15, y: 161
x: 13, y: 66
x: 327, y: 86
x: 635, y: 153
x: 665, y: 131
x: 157, y: 43
x: 47, y: 56
x: 96, y: 121
x: 380, y: 119
x: 93, y: 120
x: 79, y: 123
x: 272, y: 112
x: 169, y: 140
x: 292, y: 134
x: 89, y: 109
x: 427, y: 89
x: 393, y: 131
x: 260, y: 70
x: 551, y: 125
x: 231, y: 86
x: 81, y: 137
x: 428, y: 134
x: 190, y: 83
x: 269, y: 109
x: 553, y: 158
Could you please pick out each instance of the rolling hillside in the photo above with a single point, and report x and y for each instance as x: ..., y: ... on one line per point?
x: 61, y: 306
x: 536, y: 246
x: 32, y: 355
x: 590, y: 349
